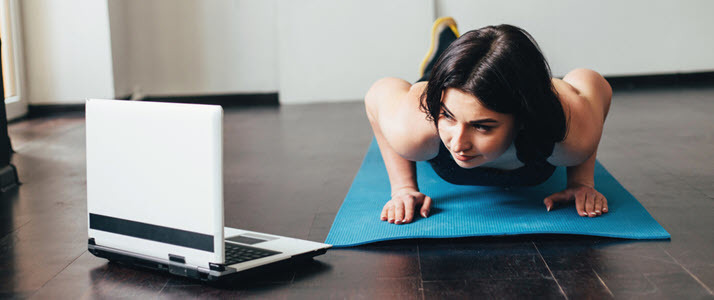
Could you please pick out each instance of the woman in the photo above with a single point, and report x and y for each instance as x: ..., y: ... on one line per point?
x: 489, y: 114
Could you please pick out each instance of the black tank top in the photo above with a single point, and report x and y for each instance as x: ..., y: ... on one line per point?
x: 532, y: 173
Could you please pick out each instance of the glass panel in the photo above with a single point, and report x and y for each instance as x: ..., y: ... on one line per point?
x: 8, y: 60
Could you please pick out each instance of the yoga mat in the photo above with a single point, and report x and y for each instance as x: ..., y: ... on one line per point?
x: 461, y: 211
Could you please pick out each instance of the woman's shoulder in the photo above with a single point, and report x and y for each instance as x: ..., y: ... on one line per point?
x: 423, y: 137
x: 403, y: 124
x: 585, y: 97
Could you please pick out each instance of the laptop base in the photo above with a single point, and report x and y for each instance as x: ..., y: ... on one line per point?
x: 205, y: 275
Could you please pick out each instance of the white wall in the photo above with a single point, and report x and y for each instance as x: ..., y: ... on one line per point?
x: 613, y: 37
x: 305, y: 50
x: 323, y: 50
x: 67, y: 50
x: 194, y: 47
x: 334, y: 50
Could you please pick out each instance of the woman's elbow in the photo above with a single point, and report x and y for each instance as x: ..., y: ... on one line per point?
x: 380, y: 90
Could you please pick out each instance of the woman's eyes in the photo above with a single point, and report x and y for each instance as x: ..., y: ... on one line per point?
x: 445, y: 115
x: 482, y: 127
x: 478, y: 127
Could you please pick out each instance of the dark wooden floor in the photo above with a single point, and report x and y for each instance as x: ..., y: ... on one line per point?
x: 287, y: 170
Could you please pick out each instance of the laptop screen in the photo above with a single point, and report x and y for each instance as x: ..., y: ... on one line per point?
x: 154, y: 178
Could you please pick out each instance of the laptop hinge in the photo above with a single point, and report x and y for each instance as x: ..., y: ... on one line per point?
x: 177, y: 266
x: 217, y: 267
x: 177, y: 258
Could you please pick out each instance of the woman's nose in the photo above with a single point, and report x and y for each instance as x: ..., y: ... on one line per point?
x: 459, y: 142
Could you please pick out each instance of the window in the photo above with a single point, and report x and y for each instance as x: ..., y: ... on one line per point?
x: 12, y: 68
x: 8, y: 61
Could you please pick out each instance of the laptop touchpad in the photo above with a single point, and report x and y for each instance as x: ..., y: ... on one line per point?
x: 248, y: 239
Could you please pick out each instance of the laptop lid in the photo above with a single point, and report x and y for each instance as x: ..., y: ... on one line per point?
x: 154, y: 178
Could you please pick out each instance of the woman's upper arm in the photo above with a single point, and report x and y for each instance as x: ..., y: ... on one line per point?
x: 593, y: 87
x: 588, y: 106
x: 401, y: 121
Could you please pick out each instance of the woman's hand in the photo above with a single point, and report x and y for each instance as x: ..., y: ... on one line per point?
x: 400, y: 209
x: 588, y: 201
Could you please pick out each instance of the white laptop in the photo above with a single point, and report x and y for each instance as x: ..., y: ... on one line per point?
x: 155, y: 193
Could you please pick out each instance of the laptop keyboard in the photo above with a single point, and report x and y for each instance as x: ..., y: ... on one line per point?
x: 238, y: 253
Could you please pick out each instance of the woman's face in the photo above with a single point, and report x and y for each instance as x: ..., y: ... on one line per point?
x: 473, y: 134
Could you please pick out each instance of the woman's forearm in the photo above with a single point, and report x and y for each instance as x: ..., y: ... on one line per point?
x: 402, y: 172
x: 583, y: 174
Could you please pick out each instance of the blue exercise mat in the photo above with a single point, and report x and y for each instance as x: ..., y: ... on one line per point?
x: 461, y: 211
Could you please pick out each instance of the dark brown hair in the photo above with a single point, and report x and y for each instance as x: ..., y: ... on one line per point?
x: 503, y: 67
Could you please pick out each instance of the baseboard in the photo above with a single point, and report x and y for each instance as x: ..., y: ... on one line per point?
x: 697, y: 79
x: 227, y: 100
x: 47, y: 110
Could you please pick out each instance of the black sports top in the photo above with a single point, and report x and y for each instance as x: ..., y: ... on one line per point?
x: 533, y: 173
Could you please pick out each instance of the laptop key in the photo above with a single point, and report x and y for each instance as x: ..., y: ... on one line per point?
x: 235, y: 253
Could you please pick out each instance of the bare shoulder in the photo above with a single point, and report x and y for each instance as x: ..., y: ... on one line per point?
x: 400, y: 119
x: 585, y: 96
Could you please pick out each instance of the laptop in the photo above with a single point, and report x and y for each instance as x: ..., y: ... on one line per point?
x: 155, y: 193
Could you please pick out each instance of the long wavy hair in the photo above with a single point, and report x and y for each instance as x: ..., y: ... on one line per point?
x: 503, y: 67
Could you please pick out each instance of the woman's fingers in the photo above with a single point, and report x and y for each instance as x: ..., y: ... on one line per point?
x: 580, y: 204
x: 408, y: 209
x: 588, y: 201
x: 399, y: 212
x: 590, y: 204
x: 426, y: 206
x: 548, y: 203
x: 402, y: 208
x: 598, y: 205
x: 604, y: 204
x: 557, y: 197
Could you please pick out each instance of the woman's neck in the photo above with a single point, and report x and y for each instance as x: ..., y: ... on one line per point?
x: 507, y: 161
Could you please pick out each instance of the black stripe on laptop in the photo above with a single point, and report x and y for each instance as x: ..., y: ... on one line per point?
x: 151, y: 232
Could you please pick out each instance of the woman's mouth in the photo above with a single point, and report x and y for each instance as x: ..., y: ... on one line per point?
x: 464, y: 157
